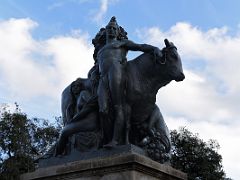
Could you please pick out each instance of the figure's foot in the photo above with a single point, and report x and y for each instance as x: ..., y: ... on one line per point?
x: 127, y: 142
x: 110, y: 145
x: 59, y: 152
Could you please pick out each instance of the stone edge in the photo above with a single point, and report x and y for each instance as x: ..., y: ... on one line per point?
x: 105, y: 165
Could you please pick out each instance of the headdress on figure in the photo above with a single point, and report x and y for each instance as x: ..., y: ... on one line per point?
x: 122, y: 34
x: 100, y: 38
x: 99, y: 41
x: 113, y: 23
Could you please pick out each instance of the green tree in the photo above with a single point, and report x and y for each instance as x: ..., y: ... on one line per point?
x: 22, y: 140
x: 199, y: 159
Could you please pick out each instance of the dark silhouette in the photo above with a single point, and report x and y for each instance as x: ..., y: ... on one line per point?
x: 115, y: 105
x: 197, y: 158
x: 112, y: 84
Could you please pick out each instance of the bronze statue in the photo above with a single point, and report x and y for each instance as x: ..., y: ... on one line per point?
x: 116, y: 103
x: 113, y: 78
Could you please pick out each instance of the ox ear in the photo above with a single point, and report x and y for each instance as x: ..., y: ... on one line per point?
x: 167, y: 43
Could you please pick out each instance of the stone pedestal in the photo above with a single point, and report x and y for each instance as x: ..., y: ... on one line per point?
x: 126, y: 166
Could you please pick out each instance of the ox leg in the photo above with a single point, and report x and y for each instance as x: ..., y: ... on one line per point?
x: 156, y: 121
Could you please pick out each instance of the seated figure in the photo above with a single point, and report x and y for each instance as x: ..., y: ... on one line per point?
x: 85, y: 116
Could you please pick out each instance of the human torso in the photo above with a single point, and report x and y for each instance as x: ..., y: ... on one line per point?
x: 112, y: 55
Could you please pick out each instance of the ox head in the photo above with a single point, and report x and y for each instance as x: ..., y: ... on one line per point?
x: 171, y: 62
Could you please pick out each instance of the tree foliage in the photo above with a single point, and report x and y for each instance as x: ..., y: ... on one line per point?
x: 199, y: 159
x: 22, y: 140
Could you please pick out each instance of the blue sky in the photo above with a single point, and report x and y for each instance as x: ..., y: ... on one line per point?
x: 45, y: 45
x: 61, y: 16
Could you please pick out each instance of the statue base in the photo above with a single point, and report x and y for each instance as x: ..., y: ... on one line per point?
x: 129, y: 165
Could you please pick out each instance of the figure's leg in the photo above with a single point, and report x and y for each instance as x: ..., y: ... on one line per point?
x: 157, y: 121
x: 104, y: 111
x: 117, y: 88
x: 87, y: 124
x: 128, y: 122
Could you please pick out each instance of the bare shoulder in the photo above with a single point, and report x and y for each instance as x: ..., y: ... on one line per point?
x: 126, y: 42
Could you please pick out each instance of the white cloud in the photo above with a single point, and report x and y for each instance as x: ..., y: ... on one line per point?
x: 30, y: 68
x: 104, y: 5
x: 207, y: 101
x: 96, y: 15
x: 102, y: 10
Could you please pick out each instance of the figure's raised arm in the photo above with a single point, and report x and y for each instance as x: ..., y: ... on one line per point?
x: 130, y: 45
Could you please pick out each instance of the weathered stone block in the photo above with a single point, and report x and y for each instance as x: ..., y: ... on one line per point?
x: 127, y: 166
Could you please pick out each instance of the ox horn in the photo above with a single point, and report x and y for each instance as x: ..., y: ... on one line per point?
x: 167, y: 43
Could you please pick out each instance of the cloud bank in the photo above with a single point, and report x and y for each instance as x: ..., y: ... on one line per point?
x: 207, y: 101
x: 31, y: 68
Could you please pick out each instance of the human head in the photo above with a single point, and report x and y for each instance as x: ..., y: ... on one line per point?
x: 112, y: 29
x: 77, y: 86
x: 122, y: 33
